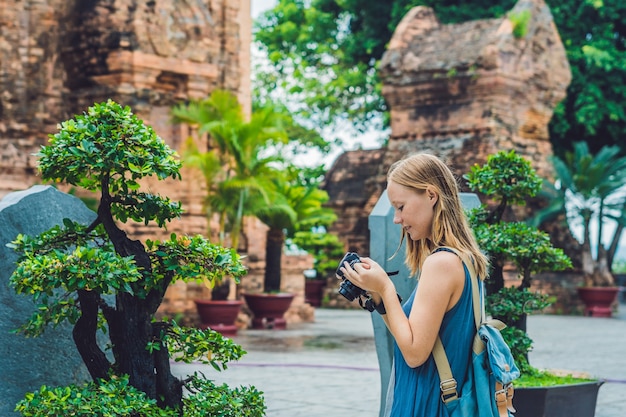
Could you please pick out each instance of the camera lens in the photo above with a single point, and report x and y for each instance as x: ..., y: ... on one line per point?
x: 346, y: 288
x: 349, y: 290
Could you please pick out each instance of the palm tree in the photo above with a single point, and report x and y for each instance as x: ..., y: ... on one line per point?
x: 296, y: 207
x: 236, y: 165
x: 594, y: 184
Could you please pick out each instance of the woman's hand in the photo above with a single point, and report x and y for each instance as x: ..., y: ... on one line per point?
x: 367, y: 274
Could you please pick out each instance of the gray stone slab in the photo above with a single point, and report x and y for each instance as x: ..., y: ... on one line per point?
x: 52, y: 359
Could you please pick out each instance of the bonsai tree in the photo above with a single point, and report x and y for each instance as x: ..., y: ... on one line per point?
x: 97, y: 277
x: 595, y: 186
x: 509, y: 180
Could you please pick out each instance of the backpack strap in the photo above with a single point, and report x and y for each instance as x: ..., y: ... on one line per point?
x: 448, y: 384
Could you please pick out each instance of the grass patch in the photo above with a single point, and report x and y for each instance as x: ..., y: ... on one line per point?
x: 546, y: 379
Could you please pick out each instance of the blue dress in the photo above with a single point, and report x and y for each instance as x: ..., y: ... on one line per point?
x: 415, y: 392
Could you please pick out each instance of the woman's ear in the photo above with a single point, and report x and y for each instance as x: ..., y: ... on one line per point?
x: 432, y: 195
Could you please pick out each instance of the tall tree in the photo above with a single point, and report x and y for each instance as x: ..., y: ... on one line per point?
x: 324, y: 54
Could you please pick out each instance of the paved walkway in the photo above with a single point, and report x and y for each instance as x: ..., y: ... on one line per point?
x: 329, y: 368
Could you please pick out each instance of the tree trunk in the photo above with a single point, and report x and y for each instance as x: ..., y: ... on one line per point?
x: 495, y: 282
x: 84, y: 335
x: 273, y: 256
x: 130, y: 330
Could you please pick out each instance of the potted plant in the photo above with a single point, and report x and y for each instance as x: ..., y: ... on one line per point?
x: 297, y: 205
x: 220, y: 312
x: 590, y: 190
x: 507, y: 180
x: 235, y: 173
x: 96, y: 277
x: 326, y: 248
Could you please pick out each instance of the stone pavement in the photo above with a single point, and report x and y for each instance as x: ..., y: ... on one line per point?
x: 329, y: 368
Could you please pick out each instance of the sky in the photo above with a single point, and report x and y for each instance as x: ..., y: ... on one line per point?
x: 258, y: 6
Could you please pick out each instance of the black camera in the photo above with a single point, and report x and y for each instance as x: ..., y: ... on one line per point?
x: 346, y: 288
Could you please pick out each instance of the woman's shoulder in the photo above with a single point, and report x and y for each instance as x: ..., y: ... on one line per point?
x: 444, y: 258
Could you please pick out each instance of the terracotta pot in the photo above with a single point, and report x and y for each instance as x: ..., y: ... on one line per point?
x: 598, y: 300
x: 313, y: 291
x: 219, y: 315
x: 268, y: 309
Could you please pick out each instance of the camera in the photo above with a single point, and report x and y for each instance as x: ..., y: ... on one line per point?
x: 346, y: 288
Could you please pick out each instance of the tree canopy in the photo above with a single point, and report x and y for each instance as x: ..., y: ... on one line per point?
x: 324, y: 55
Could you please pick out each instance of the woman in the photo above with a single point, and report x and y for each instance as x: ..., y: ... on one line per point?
x: 425, y: 197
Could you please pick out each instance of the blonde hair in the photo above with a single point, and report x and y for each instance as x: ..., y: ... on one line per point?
x: 449, y: 227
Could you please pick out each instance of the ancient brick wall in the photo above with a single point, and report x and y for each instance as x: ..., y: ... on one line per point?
x: 58, y: 57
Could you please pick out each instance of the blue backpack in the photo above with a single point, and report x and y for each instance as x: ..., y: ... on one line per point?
x: 488, y: 388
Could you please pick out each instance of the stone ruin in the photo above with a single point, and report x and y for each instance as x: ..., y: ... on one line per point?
x: 58, y: 57
x: 461, y: 91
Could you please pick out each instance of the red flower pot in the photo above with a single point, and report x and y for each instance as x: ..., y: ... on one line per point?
x: 219, y: 315
x: 313, y: 291
x: 268, y: 309
x: 598, y: 300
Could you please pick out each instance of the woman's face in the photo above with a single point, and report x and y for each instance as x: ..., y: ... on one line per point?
x: 413, y: 209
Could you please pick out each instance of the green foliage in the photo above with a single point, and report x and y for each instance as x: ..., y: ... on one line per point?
x: 594, y: 184
x: 528, y: 248
x: 511, y: 304
x: 204, y: 346
x: 594, y: 35
x: 210, y: 399
x: 238, y: 167
x: 536, y: 378
x: 506, y: 177
x: 325, y: 247
x: 95, y: 277
x: 619, y: 266
x: 520, y: 23
x: 116, y: 398
x: 190, y: 257
x: 112, y: 398
x: 109, y: 146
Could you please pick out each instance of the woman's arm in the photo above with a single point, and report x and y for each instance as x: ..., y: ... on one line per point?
x: 441, y: 284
